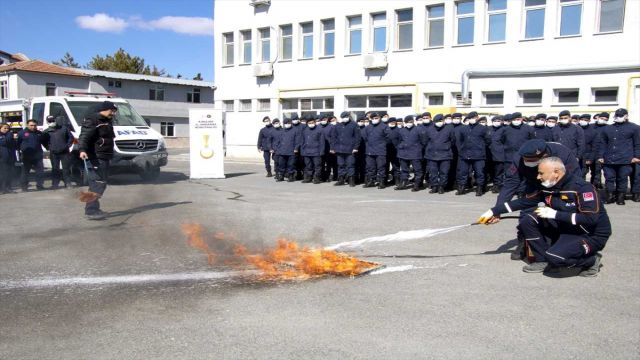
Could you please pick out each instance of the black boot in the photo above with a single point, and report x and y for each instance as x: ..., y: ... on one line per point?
x: 620, y: 199
x: 340, y: 181
x: 610, y: 197
x: 636, y: 197
x: 352, y: 181
x: 307, y: 179
x: 433, y: 190
x: 368, y: 183
x: 291, y: 177
x: 401, y: 185
x: 381, y: 184
x: 317, y: 180
x: 279, y: 178
x: 269, y: 174
x: 495, y: 189
x: 416, y: 186
x: 440, y: 189
x: 460, y: 190
x: 397, y: 182
x: 479, y: 190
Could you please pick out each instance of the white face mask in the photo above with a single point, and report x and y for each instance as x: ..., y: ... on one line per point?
x: 548, y: 183
x: 551, y: 124
x: 400, y: 125
x: 375, y: 121
x: 516, y: 123
x: 583, y: 123
x: 472, y: 122
x: 276, y: 125
x: 427, y: 121
x: 531, y: 123
x: 619, y: 120
x: 392, y: 125
x: 409, y: 125
x: 323, y: 122
x: 385, y: 119
x: 287, y: 126
x: 295, y: 122
x: 455, y: 121
x: 531, y: 163
x: 539, y: 122
x: 366, y: 123
x: 496, y: 124
x: 334, y: 123
x: 448, y: 121
x: 439, y: 124
x: 419, y: 122
x: 602, y: 121
x: 52, y: 124
x: 311, y: 126
x: 563, y: 122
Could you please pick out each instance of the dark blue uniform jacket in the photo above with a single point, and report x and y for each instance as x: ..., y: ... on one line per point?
x: 472, y: 142
x: 511, y: 138
x: 376, y: 138
x: 410, y: 143
x: 312, y: 142
x: 591, y: 142
x: 546, y: 133
x: 31, y: 142
x: 7, y: 148
x: 439, y: 143
x: 345, y: 138
x: 572, y: 136
x: 60, y: 139
x: 496, y: 147
x: 619, y: 143
x: 264, y: 138
x: 288, y: 142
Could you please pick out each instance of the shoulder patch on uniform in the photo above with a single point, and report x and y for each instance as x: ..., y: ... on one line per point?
x: 588, y: 196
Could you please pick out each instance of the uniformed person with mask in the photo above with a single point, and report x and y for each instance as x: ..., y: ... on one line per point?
x: 264, y: 138
x: 376, y: 137
x: 591, y: 141
x: 274, y: 134
x: 361, y: 161
x: 497, y: 153
x: 438, y: 152
x: 410, y: 142
x: 298, y: 126
x: 344, y: 143
x: 312, y: 149
x: 544, y: 132
x: 619, y: 152
x: 511, y: 139
x: 571, y: 135
x: 287, y: 147
x: 601, y: 123
x: 472, y: 142
x: 569, y: 225
x: 456, y: 124
x: 393, y: 163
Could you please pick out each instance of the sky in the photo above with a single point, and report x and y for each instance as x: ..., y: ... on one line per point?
x: 174, y: 35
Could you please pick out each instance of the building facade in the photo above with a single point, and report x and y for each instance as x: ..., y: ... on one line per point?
x: 275, y: 58
x: 163, y: 102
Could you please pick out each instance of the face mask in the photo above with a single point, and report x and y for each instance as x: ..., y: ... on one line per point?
x: 602, y: 122
x: 552, y: 124
x: 619, y: 120
x: 419, y: 122
x: 375, y: 121
x: 52, y: 124
x: 531, y: 123
x: 295, y: 122
x: 409, y: 125
x: 323, y: 122
x: 439, y: 124
x: 427, y: 121
x: 385, y: 120
x: 287, y: 126
x: 496, y: 124
x: 455, y: 121
x: 311, y: 126
x: 447, y: 121
x: 276, y: 125
x: 563, y: 122
x: 539, y: 122
x: 400, y: 125
x: 472, y: 122
x: 345, y: 120
x: 366, y: 123
x: 531, y: 163
x: 267, y: 124
x: 361, y: 124
x: 334, y: 123
x: 548, y: 183
x: 392, y: 125
x: 516, y: 123
x: 583, y: 123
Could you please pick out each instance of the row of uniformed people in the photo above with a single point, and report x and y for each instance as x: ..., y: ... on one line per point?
x: 442, y: 148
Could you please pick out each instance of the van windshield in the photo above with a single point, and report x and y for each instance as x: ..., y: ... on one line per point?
x: 125, y: 116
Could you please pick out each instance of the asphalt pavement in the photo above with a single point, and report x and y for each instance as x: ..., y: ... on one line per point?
x: 130, y: 287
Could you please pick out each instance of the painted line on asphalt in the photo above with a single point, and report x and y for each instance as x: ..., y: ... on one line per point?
x: 375, y: 201
x: 121, y: 279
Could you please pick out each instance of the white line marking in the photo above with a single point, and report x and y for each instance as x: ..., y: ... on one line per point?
x: 375, y: 201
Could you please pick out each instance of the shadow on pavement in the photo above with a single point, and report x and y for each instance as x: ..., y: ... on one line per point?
x: 166, y: 177
x: 502, y: 249
x: 232, y: 175
x: 144, y: 208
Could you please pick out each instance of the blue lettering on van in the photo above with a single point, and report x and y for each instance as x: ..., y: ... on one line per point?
x: 132, y: 132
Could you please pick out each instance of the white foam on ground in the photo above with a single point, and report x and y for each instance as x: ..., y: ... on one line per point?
x: 393, y: 269
x: 399, y: 236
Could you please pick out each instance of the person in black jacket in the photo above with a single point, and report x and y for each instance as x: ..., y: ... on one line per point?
x: 7, y: 157
x: 472, y: 142
x: 344, y: 143
x: 96, y: 146
x: 30, y: 143
x: 264, y: 138
x: 287, y: 147
x: 312, y: 149
x: 60, y: 140
x: 376, y: 137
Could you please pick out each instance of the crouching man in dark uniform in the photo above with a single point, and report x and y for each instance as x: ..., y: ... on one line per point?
x: 569, y: 225
x: 96, y: 145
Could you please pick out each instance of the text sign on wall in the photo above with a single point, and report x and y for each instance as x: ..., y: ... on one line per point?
x: 206, y: 144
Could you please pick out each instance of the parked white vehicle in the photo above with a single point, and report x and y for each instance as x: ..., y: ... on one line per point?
x: 138, y: 147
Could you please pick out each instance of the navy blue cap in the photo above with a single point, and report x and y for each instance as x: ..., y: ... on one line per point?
x: 426, y: 114
x: 447, y: 115
x: 472, y: 114
x: 533, y: 148
x: 497, y: 118
x: 276, y: 120
x: 507, y: 117
x: 286, y: 121
x: 408, y: 118
x: 105, y: 105
x: 541, y: 116
x: 361, y: 117
x: 516, y: 115
x: 456, y: 115
x: 604, y: 114
x: 585, y: 116
x: 344, y: 114
x: 552, y: 118
x: 482, y: 118
x: 392, y: 119
x: 294, y: 116
x: 621, y: 112
x: 438, y: 117
x: 374, y: 114
x: 575, y: 116
x: 564, y: 113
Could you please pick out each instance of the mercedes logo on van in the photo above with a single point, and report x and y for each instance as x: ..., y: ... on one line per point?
x: 140, y: 145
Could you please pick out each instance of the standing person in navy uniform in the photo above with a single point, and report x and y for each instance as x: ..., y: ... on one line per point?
x: 410, y: 142
x: 392, y: 151
x: 497, y: 154
x: 264, y: 146
x: 287, y: 147
x: 472, y: 141
x: 438, y: 152
x: 30, y: 142
x: 298, y: 126
x: 546, y: 130
x: 7, y: 157
x: 344, y: 143
x: 361, y: 160
x: 511, y: 139
x: 569, y: 229
x: 96, y: 145
x: 456, y: 124
x: 601, y: 124
x: 60, y: 141
x: 619, y: 152
x: 571, y: 135
x: 376, y: 137
x: 312, y: 150
x: 591, y: 140
x: 275, y: 133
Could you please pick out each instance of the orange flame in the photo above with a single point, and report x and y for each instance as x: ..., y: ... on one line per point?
x: 88, y: 196
x: 285, y: 261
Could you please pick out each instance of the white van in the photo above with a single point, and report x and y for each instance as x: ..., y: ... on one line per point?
x: 138, y: 147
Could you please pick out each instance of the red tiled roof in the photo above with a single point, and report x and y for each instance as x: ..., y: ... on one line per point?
x: 41, y: 67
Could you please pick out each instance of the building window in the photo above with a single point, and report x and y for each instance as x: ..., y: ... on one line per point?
x: 265, y: 44
x: 115, y: 83
x: 404, y: 31
x: 570, y: 17
x: 194, y: 96
x: 264, y: 104
x: 245, y: 105
x: 167, y: 128
x: 156, y: 92
x: 566, y: 96
x: 286, y: 46
x: 611, y: 15
x: 379, y: 101
x: 50, y: 89
x: 245, y: 37
x: 307, y: 106
x: 227, y: 105
x: 435, y: 25
x: 458, y: 100
x: 328, y: 37
x: 435, y: 99
x: 379, y: 24
x: 465, y: 22
x: 496, y: 20
x: 307, y: 40
x: 493, y: 97
x: 534, y: 18
x: 228, y: 48
x: 401, y: 100
x: 530, y: 97
x: 355, y: 34
x: 605, y: 95
x: 4, y: 89
x: 356, y: 101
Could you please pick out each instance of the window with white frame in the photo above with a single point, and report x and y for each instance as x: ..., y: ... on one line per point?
x: 228, y: 48
x: 610, y: 15
x: 566, y: 96
x: 194, y: 96
x: 156, y: 92
x: 404, y: 30
x: 4, y: 89
x: 570, y: 17
x: 379, y: 30
x: 354, y: 24
x: 457, y: 98
x: 307, y: 106
x: 530, y: 97
x: 167, y: 128
x: 604, y: 95
x: 264, y: 104
x: 328, y: 37
x: 245, y: 105
x: 306, y: 30
x: 496, y: 20
x: 435, y: 25
x: 286, y: 46
x: 245, y: 37
x: 534, y: 11
x: 227, y: 105
x: 50, y: 89
x: 464, y: 22
x: 265, y: 44
x: 379, y: 101
x: 435, y: 99
x: 493, y: 98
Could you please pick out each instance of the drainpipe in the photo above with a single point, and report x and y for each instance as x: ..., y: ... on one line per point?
x: 467, y: 74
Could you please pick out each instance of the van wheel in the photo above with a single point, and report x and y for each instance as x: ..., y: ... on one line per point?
x: 150, y: 173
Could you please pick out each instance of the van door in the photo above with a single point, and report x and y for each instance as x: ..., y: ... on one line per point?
x: 37, y: 113
x: 57, y: 109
